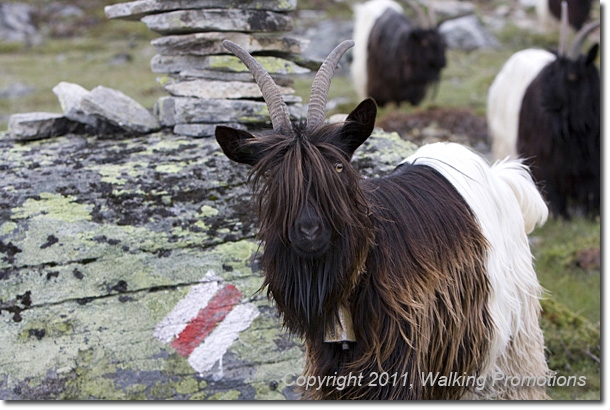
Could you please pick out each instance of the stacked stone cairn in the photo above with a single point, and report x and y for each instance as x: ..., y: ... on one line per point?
x: 207, y: 85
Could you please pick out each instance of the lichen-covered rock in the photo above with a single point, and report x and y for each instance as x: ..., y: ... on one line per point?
x: 225, y: 63
x: 211, y: 43
x: 202, y: 130
x: 117, y: 108
x: 135, y: 10
x: 467, y: 33
x: 217, y: 89
x: 190, y: 21
x: 101, y: 241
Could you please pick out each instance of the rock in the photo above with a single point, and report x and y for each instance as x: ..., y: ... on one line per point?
x: 118, y: 109
x: 467, y: 33
x: 202, y: 130
x: 176, y: 64
x: 211, y: 43
x: 448, y: 9
x: 183, y: 110
x: 193, y: 73
x: 37, y: 125
x: 189, y: 21
x: 70, y: 98
x: 217, y: 89
x: 15, y: 90
x: 135, y: 10
x: 324, y: 37
x: 16, y: 23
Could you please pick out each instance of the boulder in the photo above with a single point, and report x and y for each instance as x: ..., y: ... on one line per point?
x: 467, y: 33
x: 16, y: 23
x: 70, y: 98
x: 118, y: 109
x: 190, y: 21
x: 135, y: 10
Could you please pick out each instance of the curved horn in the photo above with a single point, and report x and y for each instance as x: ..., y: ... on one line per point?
x: 563, y: 31
x: 316, y: 112
x: 424, y: 20
x: 580, y: 38
x: 280, y: 118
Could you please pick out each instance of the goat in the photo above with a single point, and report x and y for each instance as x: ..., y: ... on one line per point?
x: 545, y: 107
x: 395, y: 59
x: 549, y: 12
x: 423, y: 273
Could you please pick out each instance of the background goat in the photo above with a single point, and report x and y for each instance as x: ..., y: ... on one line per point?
x: 545, y: 107
x: 549, y: 12
x: 425, y: 271
x: 395, y: 58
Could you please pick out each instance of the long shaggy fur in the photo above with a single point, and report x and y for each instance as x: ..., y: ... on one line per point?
x: 401, y: 60
x: 506, y: 94
x: 432, y: 261
x: 559, y: 130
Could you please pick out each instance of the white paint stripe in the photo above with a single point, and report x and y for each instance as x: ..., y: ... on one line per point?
x: 186, y: 310
x: 218, y: 342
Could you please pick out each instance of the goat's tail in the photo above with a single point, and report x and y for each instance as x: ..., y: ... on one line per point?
x: 518, y: 177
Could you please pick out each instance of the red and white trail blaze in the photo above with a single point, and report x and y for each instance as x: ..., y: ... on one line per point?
x: 204, y: 324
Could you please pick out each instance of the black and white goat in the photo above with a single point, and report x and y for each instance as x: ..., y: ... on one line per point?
x: 549, y: 12
x: 423, y: 273
x: 396, y: 59
x: 545, y: 107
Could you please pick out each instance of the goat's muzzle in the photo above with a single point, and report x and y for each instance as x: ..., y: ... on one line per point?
x: 309, y: 236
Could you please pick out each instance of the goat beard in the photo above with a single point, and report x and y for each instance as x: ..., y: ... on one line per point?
x: 308, y: 291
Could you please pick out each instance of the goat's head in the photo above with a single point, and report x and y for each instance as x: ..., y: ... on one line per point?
x: 313, y: 215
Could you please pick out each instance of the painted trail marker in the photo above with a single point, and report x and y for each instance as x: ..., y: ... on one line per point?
x: 204, y: 324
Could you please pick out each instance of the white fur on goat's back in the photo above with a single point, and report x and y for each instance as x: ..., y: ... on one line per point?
x: 365, y: 16
x: 499, y: 196
x: 506, y: 95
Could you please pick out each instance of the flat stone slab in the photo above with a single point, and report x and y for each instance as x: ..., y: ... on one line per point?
x: 108, y: 248
x: 194, y: 73
x: 185, y: 110
x: 211, y: 43
x: 119, y: 109
x: 190, y: 21
x: 217, y: 89
x: 228, y: 63
x: 135, y: 10
x: 37, y: 125
x: 202, y: 130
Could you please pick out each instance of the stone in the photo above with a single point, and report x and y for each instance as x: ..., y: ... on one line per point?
x: 211, y: 43
x: 467, y: 33
x: 228, y: 63
x: 120, y: 110
x: 37, y: 125
x: 184, y: 110
x: 190, y: 21
x: 135, y: 10
x: 70, y: 97
x: 217, y: 89
x: 193, y: 73
x: 448, y: 9
x: 16, y: 23
x: 202, y: 130
x: 16, y: 90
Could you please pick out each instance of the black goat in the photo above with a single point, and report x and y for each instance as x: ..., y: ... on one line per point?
x: 579, y: 11
x: 396, y: 59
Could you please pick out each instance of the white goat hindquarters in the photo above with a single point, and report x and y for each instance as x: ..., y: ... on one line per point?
x: 506, y: 95
x: 506, y: 204
x: 365, y: 16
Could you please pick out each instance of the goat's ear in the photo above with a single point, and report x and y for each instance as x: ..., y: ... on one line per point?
x: 234, y: 144
x: 592, y: 54
x: 358, y: 126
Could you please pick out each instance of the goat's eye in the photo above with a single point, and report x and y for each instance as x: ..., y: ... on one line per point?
x: 339, y: 167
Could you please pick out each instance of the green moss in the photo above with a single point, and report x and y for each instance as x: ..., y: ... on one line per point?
x: 230, y: 395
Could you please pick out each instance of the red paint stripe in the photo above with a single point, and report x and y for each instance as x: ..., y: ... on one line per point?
x: 207, y: 319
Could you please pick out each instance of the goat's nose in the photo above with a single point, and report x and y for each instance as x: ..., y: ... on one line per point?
x: 309, y: 230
